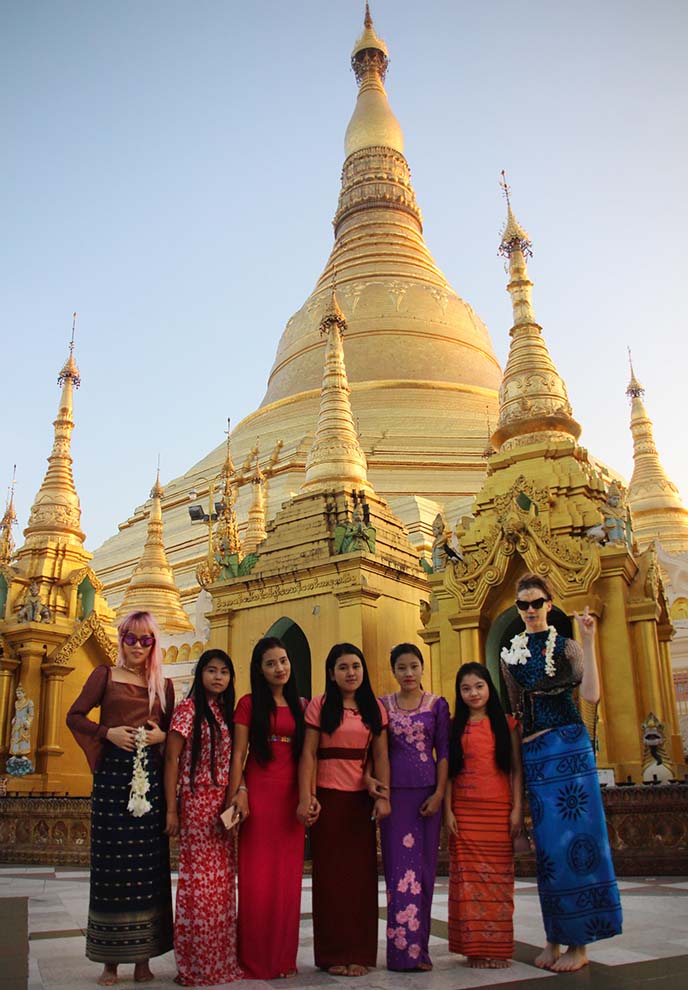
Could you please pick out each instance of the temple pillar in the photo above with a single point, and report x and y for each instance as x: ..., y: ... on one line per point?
x: 358, y: 625
x: 51, y: 727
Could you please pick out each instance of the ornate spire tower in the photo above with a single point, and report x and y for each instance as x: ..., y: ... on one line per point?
x: 420, y: 363
x: 56, y: 511
x: 656, y: 507
x: 335, y: 457
x: 533, y: 403
x: 255, y: 529
x: 6, y: 523
x: 152, y: 587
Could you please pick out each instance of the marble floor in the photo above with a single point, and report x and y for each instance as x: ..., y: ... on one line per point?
x: 653, y: 951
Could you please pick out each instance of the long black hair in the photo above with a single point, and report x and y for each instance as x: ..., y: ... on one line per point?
x: 263, y: 704
x: 495, y: 713
x: 204, y: 713
x: 332, y: 712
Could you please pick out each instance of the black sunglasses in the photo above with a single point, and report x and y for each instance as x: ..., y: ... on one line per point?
x: 536, y: 603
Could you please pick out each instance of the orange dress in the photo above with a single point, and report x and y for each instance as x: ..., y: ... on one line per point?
x: 481, y: 866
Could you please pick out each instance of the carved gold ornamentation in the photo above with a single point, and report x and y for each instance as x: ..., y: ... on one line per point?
x: 92, y: 626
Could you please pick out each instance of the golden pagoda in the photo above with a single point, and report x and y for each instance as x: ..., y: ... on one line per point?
x: 336, y: 565
x: 55, y: 625
x: 661, y: 520
x: 656, y: 506
x: 421, y: 367
x: 152, y: 586
x: 544, y: 508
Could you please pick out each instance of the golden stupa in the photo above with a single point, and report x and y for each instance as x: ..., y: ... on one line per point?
x: 55, y: 625
x: 421, y: 367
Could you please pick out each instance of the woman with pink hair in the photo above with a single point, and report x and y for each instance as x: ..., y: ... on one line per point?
x: 130, y: 906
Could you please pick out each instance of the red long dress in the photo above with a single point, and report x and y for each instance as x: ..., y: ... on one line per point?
x: 205, y: 919
x: 270, y: 855
x: 481, y: 863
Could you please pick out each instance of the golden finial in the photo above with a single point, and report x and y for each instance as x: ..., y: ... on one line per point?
x: 70, y: 370
x: 370, y: 52
x: 635, y: 390
x: 333, y: 316
x: 157, y: 491
x: 7, y: 522
x: 514, y: 237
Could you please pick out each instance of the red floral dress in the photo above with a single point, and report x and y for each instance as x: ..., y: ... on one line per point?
x: 205, y: 921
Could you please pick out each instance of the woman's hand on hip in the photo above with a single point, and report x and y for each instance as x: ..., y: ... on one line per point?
x: 122, y: 736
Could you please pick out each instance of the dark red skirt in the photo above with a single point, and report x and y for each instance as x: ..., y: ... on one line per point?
x: 345, y: 914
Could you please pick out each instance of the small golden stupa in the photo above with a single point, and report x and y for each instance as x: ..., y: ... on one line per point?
x: 55, y: 625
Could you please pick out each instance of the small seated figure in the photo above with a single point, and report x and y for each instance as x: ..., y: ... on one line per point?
x: 356, y: 535
x: 32, y: 609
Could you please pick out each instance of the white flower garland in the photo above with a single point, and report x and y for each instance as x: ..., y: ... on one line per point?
x: 139, y: 804
x: 519, y: 653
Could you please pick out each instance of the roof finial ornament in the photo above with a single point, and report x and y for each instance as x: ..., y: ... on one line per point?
x: 70, y: 370
x: 7, y: 546
x: 514, y: 237
x: 370, y: 53
x: 635, y: 390
x: 157, y: 490
x: 332, y: 316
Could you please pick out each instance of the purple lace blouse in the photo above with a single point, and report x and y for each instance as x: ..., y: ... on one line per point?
x: 418, y: 738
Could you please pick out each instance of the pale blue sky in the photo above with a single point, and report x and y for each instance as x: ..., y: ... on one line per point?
x: 170, y: 170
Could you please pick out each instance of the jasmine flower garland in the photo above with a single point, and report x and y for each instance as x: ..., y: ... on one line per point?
x: 519, y: 653
x: 139, y: 804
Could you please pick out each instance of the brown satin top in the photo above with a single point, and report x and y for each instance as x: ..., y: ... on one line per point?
x: 120, y: 704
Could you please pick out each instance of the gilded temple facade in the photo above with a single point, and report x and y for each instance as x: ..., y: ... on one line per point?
x: 371, y: 446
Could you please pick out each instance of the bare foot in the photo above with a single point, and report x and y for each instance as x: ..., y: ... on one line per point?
x: 142, y: 973
x: 354, y: 969
x: 108, y: 977
x: 338, y: 971
x: 424, y: 967
x: 548, y: 956
x: 575, y: 957
x: 292, y: 972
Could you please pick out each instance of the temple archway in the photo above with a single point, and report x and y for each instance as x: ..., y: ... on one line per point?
x: 296, y: 645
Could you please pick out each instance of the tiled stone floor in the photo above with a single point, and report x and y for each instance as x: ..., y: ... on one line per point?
x: 652, y: 952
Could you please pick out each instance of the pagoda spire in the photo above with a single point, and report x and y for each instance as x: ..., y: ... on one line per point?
x: 335, y: 457
x: 372, y: 125
x: 7, y: 522
x: 255, y: 531
x: 533, y: 402
x: 227, y: 530
x: 152, y: 587
x: 56, y: 510
x: 654, y: 500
